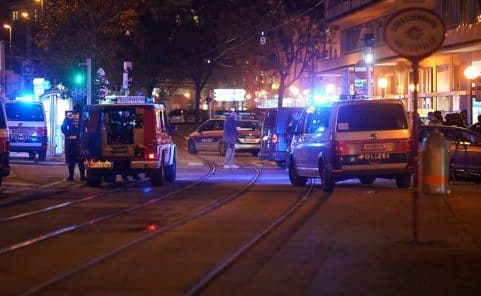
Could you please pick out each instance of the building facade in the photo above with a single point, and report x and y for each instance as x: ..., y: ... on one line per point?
x: 356, y: 25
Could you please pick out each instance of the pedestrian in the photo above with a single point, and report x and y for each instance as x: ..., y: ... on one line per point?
x: 230, y: 138
x: 477, y: 126
x: 70, y: 129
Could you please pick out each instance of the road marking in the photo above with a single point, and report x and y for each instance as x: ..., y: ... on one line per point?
x: 196, y: 163
x: 27, y: 186
x: 51, y: 184
x: 18, y: 184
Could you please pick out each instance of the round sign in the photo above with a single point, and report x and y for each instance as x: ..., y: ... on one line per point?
x: 414, y: 33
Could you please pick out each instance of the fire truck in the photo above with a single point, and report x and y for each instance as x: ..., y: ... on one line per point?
x: 127, y: 135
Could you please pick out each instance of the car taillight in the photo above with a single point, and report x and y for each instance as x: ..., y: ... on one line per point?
x: 151, y: 156
x: 275, y: 138
x: 150, y: 153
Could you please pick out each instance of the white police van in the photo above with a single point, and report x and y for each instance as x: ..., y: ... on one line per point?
x: 27, y: 127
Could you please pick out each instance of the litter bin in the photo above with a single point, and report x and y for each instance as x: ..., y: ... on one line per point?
x: 435, y: 164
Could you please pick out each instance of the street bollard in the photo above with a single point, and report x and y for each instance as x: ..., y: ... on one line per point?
x: 435, y: 165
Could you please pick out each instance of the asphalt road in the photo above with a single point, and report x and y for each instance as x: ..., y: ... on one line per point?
x: 129, y: 238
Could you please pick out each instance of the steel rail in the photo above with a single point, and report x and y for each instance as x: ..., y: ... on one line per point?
x: 197, y: 214
x: 227, y: 261
x: 69, y: 228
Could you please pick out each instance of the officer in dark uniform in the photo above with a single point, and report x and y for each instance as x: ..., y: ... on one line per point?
x: 70, y: 128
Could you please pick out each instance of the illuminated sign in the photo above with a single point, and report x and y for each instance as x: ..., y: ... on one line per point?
x: 229, y: 95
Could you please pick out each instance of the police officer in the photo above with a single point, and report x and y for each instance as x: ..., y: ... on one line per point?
x: 70, y: 128
x: 230, y: 138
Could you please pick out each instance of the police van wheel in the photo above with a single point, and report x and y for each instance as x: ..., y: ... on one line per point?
x: 403, y: 181
x: 42, y: 156
x: 191, y: 147
x: 157, y: 177
x: 170, y: 171
x: 93, y: 179
x: 295, y: 179
x: 328, y: 181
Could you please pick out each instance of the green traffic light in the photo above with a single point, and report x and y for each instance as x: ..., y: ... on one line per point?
x: 79, y: 78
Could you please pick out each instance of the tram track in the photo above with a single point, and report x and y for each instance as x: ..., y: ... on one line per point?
x: 62, y: 230
x: 208, y: 208
x: 221, y: 266
x: 93, y: 261
x: 119, y: 249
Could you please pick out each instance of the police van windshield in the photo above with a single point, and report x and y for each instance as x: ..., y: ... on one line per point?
x: 24, y: 112
x: 368, y: 117
x: 120, y: 124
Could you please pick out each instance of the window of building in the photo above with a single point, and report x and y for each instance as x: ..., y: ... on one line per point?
x: 14, y: 15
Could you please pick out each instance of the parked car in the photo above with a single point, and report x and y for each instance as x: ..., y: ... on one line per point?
x: 27, y: 126
x: 365, y: 139
x: 464, y: 150
x: 275, y: 140
x: 177, y: 116
x: 209, y: 137
x: 199, y: 116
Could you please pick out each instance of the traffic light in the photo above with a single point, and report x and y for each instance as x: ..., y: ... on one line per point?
x: 79, y: 78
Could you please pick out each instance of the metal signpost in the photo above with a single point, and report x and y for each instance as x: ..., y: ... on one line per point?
x: 415, y: 33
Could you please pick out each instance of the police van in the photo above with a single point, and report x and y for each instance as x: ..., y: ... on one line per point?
x: 27, y: 128
x: 364, y: 139
x: 127, y: 135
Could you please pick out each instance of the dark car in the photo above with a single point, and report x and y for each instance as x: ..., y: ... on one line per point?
x: 177, y: 116
x: 209, y: 137
x: 464, y: 150
x: 275, y: 138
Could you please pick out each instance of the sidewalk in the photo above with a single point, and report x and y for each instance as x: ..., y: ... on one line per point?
x: 22, y: 159
x: 373, y: 252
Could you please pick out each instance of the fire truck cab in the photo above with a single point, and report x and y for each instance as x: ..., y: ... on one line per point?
x: 127, y: 135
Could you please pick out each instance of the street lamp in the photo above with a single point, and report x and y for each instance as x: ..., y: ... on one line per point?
x: 382, y: 82
x: 471, y: 73
x: 25, y: 15
x: 7, y: 26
